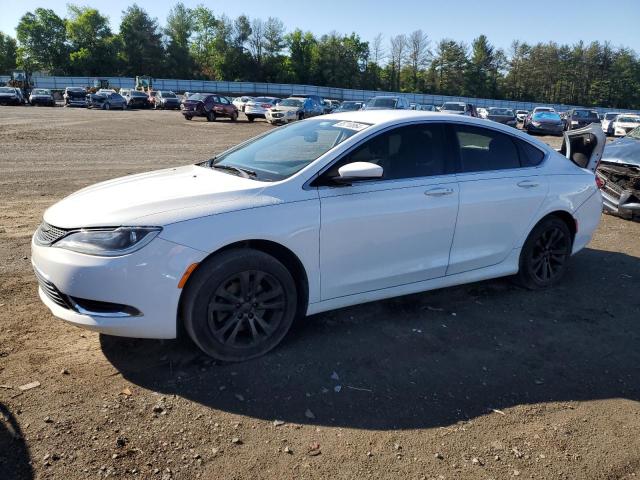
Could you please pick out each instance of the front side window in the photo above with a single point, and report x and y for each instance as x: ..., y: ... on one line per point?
x: 224, y: 101
x: 481, y: 149
x: 404, y: 152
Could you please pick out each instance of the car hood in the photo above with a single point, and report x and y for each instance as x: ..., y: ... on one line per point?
x: 624, y: 150
x: 5, y: 94
x: 134, y: 199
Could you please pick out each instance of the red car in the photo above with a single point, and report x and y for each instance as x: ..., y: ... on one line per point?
x: 209, y: 105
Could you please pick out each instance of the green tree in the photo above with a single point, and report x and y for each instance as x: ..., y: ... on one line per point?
x: 302, y: 49
x: 180, y: 26
x: 448, y: 67
x: 42, y: 38
x: 142, y: 52
x: 8, y: 53
x: 93, y: 45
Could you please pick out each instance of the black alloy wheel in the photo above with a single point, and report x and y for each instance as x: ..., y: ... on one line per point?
x: 545, y: 255
x: 239, y: 305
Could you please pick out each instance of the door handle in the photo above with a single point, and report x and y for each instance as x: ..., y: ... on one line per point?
x: 527, y: 184
x: 439, y: 192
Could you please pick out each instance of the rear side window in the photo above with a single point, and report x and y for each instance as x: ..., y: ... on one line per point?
x: 482, y: 149
x: 530, y: 156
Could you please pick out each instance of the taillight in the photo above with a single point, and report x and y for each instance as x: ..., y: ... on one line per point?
x: 266, y: 105
x: 600, y: 183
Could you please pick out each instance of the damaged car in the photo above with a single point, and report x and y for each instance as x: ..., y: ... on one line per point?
x: 619, y: 175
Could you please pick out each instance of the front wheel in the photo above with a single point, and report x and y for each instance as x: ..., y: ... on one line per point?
x: 188, y: 117
x: 251, y: 118
x: 239, y: 305
x: 211, y: 117
x: 545, y: 255
x: 234, y: 116
x: 107, y: 106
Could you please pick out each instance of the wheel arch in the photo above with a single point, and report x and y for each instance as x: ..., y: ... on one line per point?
x: 563, y: 215
x: 280, y: 252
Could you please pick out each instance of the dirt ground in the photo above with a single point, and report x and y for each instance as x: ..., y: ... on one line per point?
x: 484, y: 381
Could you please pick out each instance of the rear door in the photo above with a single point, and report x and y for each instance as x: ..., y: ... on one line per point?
x: 501, y: 189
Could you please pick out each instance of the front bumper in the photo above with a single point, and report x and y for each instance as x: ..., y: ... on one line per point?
x: 146, y: 280
x: 43, y: 101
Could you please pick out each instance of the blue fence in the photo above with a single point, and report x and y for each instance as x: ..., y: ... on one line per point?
x: 284, y: 90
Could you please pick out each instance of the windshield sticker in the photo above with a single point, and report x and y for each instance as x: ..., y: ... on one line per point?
x: 351, y: 125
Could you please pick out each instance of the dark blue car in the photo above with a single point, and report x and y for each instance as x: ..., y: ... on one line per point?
x: 619, y: 169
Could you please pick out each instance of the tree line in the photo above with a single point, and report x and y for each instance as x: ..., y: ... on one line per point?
x: 197, y: 43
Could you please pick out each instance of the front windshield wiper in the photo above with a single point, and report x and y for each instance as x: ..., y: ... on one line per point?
x: 243, y: 172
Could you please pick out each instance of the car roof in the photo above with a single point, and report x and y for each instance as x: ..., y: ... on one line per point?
x: 388, y: 118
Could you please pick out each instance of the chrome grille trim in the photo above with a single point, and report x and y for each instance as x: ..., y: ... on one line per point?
x: 48, y: 234
x: 51, y: 291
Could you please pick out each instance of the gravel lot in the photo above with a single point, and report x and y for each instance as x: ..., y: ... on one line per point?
x: 475, y: 382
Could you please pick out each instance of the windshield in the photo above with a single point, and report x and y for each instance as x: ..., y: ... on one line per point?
x: 283, y: 152
x: 456, y: 107
x: 382, y: 102
x: 585, y: 114
x: 544, y: 109
x: 263, y: 100
x: 610, y: 116
x: 7, y: 90
x: 135, y: 93
x: 168, y: 94
x: 522, y: 112
x: 628, y: 119
x: 501, y: 111
x: 41, y: 91
x: 350, y: 106
x: 291, y: 102
x: 198, y: 96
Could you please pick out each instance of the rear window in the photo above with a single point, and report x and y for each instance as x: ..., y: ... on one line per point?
x: 585, y: 114
x: 456, y: 107
x: 383, y: 102
x: 530, y: 156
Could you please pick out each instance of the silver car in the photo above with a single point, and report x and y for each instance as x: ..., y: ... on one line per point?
x: 257, y: 108
x: 292, y: 109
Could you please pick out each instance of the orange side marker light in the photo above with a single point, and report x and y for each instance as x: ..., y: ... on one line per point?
x: 187, y: 273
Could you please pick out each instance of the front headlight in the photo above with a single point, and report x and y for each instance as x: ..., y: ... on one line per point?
x: 574, y: 122
x: 108, y: 242
x: 535, y: 124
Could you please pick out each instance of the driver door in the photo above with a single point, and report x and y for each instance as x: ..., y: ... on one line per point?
x: 395, y: 230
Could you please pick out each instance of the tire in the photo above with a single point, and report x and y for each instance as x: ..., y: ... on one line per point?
x: 188, y: 117
x: 540, y: 267
x: 234, y: 116
x: 251, y: 118
x: 211, y: 116
x: 301, y: 116
x: 221, y: 310
x: 107, y: 106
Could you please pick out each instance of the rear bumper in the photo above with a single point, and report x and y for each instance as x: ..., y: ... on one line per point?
x: 545, y: 129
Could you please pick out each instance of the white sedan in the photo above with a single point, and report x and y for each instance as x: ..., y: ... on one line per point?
x: 317, y: 215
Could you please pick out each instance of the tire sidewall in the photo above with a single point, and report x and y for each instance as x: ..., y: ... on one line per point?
x: 526, y: 276
x: 207, y: 279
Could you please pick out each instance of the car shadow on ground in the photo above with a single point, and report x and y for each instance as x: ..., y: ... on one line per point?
x: 15, y: 461
x: 424, y: 360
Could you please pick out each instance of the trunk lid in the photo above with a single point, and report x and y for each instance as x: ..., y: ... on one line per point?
x: 584, y: 146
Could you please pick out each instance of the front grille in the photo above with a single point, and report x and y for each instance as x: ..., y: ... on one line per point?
x: 278, y: 115
x: 48, y: 234
x: 51, y: 291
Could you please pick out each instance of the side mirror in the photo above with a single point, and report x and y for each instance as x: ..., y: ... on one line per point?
x: 358, y: 171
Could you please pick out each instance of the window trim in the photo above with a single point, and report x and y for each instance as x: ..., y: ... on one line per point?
x: 310, y: 183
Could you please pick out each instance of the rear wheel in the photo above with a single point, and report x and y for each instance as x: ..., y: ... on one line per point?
x: 188, y: 117
x: 107, y: 106
x: 211, y: 117
x: 239, y: 305
x: 545, y: 255
x: 234, y: 116
x: 251, y: 118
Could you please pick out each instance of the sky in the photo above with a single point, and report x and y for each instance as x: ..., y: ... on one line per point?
x: 501, y: 20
